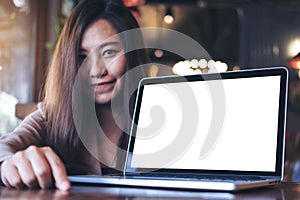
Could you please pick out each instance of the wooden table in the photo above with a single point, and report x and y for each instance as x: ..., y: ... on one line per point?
x: 283, y: 191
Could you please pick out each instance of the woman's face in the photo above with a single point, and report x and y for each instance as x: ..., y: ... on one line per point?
x: 106, y: 61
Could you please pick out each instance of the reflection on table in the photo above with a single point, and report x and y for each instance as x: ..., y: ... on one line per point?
x: 283, y: 191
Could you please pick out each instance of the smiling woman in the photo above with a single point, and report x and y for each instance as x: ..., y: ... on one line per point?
x: 47, y: 145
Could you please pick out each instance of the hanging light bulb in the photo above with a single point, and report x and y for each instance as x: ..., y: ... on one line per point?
x: 23, y: 5
x: 169, y: 17
x: 19, y: 3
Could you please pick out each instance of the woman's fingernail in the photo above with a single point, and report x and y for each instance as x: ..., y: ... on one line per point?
x: 64, y: 185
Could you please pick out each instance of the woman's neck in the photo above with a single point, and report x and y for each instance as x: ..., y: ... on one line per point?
x: 108, y: 123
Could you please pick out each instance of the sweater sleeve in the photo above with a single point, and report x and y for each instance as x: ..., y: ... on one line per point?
x: 29, y: 132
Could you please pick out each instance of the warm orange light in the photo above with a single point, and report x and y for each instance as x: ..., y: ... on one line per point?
x: 158, y: 53
x: 295, y: 63
x: 236, y: 68
x: 133, y: 3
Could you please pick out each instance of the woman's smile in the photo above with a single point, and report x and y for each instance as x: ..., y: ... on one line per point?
x: 103, y: 86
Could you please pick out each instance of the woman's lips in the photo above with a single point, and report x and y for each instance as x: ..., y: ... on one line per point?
x: 102, y: 85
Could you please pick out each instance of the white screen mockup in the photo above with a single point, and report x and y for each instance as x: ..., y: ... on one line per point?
x: 248, y: 137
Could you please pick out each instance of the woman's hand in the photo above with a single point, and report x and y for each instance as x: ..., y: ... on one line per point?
x: 33, y: 167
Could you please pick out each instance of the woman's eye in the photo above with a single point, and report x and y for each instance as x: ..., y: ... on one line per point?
x: 81, y: 58
x: 109, y: 53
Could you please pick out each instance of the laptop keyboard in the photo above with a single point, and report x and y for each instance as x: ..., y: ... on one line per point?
x: 198, y: 177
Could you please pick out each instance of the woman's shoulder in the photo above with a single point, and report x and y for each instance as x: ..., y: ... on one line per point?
x: 38, y: 112
x: 30, y: 131
x: 41, y: 109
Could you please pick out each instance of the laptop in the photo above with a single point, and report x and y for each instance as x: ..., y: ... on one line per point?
x: 219, y: 131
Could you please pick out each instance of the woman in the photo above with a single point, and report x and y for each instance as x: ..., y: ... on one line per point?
x: 48, y: 144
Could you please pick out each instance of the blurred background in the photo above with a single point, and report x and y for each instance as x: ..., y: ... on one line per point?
x: 237, y: 34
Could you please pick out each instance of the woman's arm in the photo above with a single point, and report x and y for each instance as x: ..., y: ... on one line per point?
x: 29, y: 132
x: 25, y: 163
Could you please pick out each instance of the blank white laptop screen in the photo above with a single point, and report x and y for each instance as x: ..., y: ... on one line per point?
x: 247, y: 139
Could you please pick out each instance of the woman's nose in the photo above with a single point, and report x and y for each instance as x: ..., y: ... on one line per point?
x: 98, y: 69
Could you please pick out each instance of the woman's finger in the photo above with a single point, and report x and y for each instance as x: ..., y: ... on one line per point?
x: 26, y: 173
x: 11, y: 175
x: 40, y: 167
x: 58, y: 170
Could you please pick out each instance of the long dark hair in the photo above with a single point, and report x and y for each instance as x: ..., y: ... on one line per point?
x: 57, y: 91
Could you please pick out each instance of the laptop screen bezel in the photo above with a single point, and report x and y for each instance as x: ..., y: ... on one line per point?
x: 276, y: 71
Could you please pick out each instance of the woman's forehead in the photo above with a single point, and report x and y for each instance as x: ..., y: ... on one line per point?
x: 99, y: 32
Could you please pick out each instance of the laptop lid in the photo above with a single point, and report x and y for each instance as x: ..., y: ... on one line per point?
x: 228, y: 123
